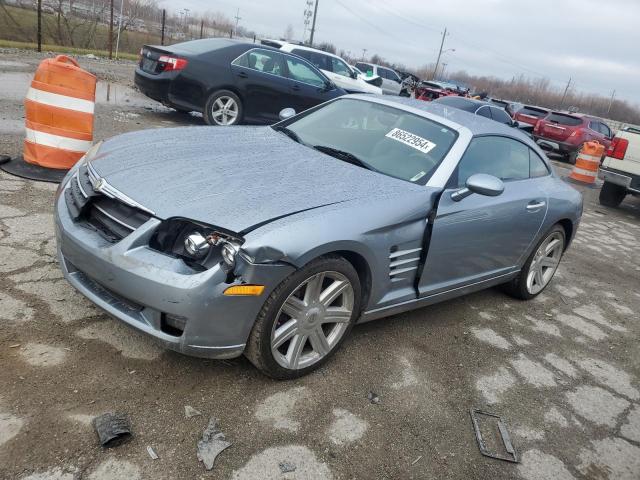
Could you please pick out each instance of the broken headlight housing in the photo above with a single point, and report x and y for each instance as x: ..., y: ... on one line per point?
x: 199, y: 245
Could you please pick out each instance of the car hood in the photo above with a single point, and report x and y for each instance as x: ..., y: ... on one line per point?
x: 236, y: 178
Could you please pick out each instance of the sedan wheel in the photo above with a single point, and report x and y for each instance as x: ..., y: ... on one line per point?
x: 223, y: 108
x: 312, y: 320
x: 545, y: 263
x: 540, y: 267
x: 305, y: 319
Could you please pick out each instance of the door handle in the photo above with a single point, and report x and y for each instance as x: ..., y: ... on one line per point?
x: 535, y: 205
x: 296, y: 88
x: 243, y: 75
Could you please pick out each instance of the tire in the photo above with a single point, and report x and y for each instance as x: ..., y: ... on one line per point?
x: 280, y: 362
x: 572, y: 157
x: 227, y: 102
x: 520, y: 286
x: 611, y: 194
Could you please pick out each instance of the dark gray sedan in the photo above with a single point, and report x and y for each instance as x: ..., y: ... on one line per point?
x: 275, y: 241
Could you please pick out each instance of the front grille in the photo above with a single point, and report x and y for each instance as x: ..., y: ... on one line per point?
x: 112, y: 219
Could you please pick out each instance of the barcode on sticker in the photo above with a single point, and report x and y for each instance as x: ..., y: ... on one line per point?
x: 411, y: 140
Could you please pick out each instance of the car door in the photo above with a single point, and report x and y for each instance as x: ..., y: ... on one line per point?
x: 308, y: 87
x: 391, y: 84
x: 480, y: 237
x: 607, y: 135
x: 261, y: 79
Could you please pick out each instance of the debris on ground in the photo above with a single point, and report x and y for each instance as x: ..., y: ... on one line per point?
x: 152, y: 453
x: 212, y: 444
x: 190, y: 412
x: 416, y: 460
x: 113, y: 429
x: 373, y: 398
x: 489, y: 421
x: 286, y: 467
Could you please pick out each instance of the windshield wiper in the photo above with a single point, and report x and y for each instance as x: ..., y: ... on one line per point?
x: 288, y: 132
x: 345, y: 156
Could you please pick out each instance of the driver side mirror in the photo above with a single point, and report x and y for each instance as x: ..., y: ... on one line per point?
x: 479, y: 183
x: 286, y: 113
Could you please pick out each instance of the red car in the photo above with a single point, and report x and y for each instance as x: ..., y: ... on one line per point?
x: 531, y: 115
x: 567, y: 132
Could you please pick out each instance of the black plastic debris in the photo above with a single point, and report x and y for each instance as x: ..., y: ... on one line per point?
x: 212, y: 444
x: 495, y: 428
x: 113, y: 429
x: 373, y: 398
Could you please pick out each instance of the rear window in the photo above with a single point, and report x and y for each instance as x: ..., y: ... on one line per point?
x: 364, y: 67
x: 632, y: 130
x: 564, y: 119
x: 461, y: 103
x: 534, y: 112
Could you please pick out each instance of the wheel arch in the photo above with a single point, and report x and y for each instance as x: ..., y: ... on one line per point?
x: 568, y: 227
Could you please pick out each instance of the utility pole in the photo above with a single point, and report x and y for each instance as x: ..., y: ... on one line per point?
x: 613, y: 94
x: 564, y: 95
x: 201, y: 27
x: 111, y: 32
x: 364, y: 50
x: 313, y: 24
x: 119, y: 28
x: 39, y: 25
x: 435, y: 70
x: 164, y: 17
x: 238, y: 18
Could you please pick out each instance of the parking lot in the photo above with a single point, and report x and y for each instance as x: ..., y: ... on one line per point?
x: 562, y: 370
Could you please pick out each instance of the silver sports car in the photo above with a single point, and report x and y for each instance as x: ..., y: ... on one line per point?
x: 275, y: 241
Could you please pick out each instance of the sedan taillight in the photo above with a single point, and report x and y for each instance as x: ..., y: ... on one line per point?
x: 171, y: 63
x: 618, y: 148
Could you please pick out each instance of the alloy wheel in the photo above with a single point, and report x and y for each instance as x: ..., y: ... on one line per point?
x: 224, y: 111
x: 312, y: 320
x: 545, y: 263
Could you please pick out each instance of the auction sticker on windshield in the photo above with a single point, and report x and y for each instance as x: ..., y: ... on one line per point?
x: 411, y: 140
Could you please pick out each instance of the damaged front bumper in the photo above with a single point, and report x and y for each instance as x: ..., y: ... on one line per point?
x: 160, y: 295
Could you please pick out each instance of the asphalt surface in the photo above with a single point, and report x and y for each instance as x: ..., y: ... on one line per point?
x: 563, y: 370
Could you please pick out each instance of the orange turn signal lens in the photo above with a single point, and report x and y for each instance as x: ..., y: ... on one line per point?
x: 246, y: 290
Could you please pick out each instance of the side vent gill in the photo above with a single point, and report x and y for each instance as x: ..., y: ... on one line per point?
x: 402, y: 263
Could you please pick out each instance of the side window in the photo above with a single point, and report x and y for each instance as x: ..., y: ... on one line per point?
x: 606, y: 131
x: 484, y: 111
x: 364, y: 68
x: 501, y: 157
x: 302, y: 72
x: 500, y: 115
x: 537, y: 167
x: 303, y: 53
x: 263, y: 61
x: 339, y: 67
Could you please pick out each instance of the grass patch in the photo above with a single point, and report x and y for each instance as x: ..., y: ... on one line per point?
x: 63, y: 49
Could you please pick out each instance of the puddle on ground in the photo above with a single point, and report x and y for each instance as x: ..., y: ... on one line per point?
x: 16, y: 84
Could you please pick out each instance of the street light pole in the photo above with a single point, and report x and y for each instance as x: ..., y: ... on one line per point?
x: 119, y: 27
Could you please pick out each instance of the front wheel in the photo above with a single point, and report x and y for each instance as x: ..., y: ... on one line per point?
x: 540, y: 267
x: 223, y: 108
x: 305, y: 319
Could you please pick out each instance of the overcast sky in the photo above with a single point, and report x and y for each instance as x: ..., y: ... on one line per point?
x: 596, y: 42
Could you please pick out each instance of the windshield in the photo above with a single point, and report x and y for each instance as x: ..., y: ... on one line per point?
x: 385, y: 139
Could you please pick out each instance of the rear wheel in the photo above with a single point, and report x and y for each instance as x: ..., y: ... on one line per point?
x: 540, y: 267
x: 223, y: 108
x: 305, y: 319
x: 572, y: 157
x: 611, y: 194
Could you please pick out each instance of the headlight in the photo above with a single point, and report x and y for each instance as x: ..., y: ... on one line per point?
x: 201, y: 246
x: 196, y: 245
x: 229, y: 252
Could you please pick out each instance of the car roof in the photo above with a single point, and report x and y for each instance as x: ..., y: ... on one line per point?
x: 478, y: 125
x: 471, y: 103
x: 310, y: 49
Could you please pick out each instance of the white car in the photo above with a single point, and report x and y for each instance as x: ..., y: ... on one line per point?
x: 391, y: 81
x: 334, y: 67
x: 620, y: 169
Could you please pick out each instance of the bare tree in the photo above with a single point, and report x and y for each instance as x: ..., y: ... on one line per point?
x: 289, y: 33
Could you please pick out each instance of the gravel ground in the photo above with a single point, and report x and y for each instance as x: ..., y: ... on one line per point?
x: 563, y: 370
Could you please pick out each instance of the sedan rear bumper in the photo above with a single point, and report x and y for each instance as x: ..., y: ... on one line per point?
x: 153, y: 86
x: 151, y: 291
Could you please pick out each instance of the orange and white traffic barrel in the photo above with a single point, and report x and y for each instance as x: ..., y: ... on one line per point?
x: 587, y: 163
x: 59, y: 110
